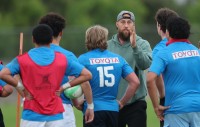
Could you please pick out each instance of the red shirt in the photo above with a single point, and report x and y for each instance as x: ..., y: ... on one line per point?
x: 42, y: 82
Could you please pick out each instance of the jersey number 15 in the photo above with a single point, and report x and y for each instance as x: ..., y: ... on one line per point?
x: 104, y: 72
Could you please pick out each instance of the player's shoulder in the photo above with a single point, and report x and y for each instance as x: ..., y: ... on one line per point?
x: 85, y: 56
x: 67, y: 53
x: 59, y: 53
x: 112, y: 54
x: 22, y: 55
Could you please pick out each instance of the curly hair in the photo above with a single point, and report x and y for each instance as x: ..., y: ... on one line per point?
x: 178, y: 28
x: 162, y: 15
x: 42, y: 34
x: 55, y: 21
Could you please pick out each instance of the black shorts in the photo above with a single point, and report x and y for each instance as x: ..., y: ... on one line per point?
x: 1, y: 119
x: 162, y: 102
x: 133, y: 115
x: 103, y: 119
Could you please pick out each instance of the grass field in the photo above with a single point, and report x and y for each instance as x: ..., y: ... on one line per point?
x: 9, y: 111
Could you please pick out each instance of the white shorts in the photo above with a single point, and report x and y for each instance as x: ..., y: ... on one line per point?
x: 68, y: 116
x: 27, y: 123
x: 67, y: 121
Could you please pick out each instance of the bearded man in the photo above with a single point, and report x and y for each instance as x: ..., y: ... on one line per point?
x: 138, y: 54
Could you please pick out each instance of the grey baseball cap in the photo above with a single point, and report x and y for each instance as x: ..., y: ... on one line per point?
x: 121, y: 15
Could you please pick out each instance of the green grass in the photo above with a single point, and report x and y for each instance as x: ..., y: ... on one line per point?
x: 9, y: 112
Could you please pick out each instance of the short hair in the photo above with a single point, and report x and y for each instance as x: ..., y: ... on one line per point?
x: 42, y: 34
x: 96, y: 37
x: 55, y: 21
x: 162, y: 15
x: 178, y: 28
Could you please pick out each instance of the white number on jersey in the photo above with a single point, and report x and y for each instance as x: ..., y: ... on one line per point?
x: 104, y: 72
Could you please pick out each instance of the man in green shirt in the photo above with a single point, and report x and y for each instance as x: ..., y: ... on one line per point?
x: 138, y: 54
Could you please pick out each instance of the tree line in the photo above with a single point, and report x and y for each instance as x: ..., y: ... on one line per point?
x: 20, y: 16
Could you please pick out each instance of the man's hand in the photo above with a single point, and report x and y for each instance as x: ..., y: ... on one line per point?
x: 89, y: 115
x: 121, y: 105
x: 20, y: 88
x: 159, y: 111
x: 133, y: 37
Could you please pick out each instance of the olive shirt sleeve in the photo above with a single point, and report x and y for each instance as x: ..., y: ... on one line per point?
x: 142, y: 53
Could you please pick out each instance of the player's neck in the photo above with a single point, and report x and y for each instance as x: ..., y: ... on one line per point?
x: 56, y: 40
x: 163, y: 35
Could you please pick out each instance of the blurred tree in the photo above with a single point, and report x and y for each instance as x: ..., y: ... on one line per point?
x: 26, y: 13
x: 20, y: 13
x: 102, y: 11
x: 193, y: 11
x: 59, y: 6
x: 5, y: 12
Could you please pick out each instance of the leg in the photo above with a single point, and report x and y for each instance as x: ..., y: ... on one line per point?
x: 99, y: 120
x: 112, y: 120
x: 176, y: 120
x: 68, y: 116
x: 27, y: 123
x: 194, y: 119
x: 122, y: 117
x: 162, y: 102
x: 1, y: 119
x: 133, y: 115
x: 55, y: 123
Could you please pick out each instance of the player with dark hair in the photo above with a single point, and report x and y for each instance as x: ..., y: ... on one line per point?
x: 161, y: 17
x: 41, y: 70
x: 182, y: 82
x: 107, y: 69
x: 57, y: 23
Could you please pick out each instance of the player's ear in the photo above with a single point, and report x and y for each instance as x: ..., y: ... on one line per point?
x: 117, y: 25
x: 61, y: 33
x: 33, y: 40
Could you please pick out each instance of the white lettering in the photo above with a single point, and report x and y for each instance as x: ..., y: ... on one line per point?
x: 185, y: 54
x: 104, y: 60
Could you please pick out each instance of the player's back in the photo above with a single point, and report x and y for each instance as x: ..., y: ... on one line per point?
x: 182, y: 77
x: 106, y: 69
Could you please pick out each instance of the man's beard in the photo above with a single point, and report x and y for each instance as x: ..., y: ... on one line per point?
x: 124, y: 35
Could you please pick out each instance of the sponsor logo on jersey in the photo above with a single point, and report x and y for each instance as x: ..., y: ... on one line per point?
x: 185, y: 54
x: 104, y: 60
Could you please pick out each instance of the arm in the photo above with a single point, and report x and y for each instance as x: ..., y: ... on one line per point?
x: 142, y: 51
x: 89, y: 114
x: 83, y: 77
x: 5, y: 75
x: 87, y: 91
x: 133, y: 82
x: 142, y: 54
x: 160, y: 86
x: 6, y: 90
x: 152, y: 89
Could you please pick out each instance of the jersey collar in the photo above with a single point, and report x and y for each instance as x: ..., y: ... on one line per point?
x: 177, y: 40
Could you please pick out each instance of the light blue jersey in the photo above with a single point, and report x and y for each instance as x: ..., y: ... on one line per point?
x: 107, y: 70
x: 45, y: 59
x: 2, y: 83
x: 76, y: 72
x: 179, y: 64
x: 159, y: 46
